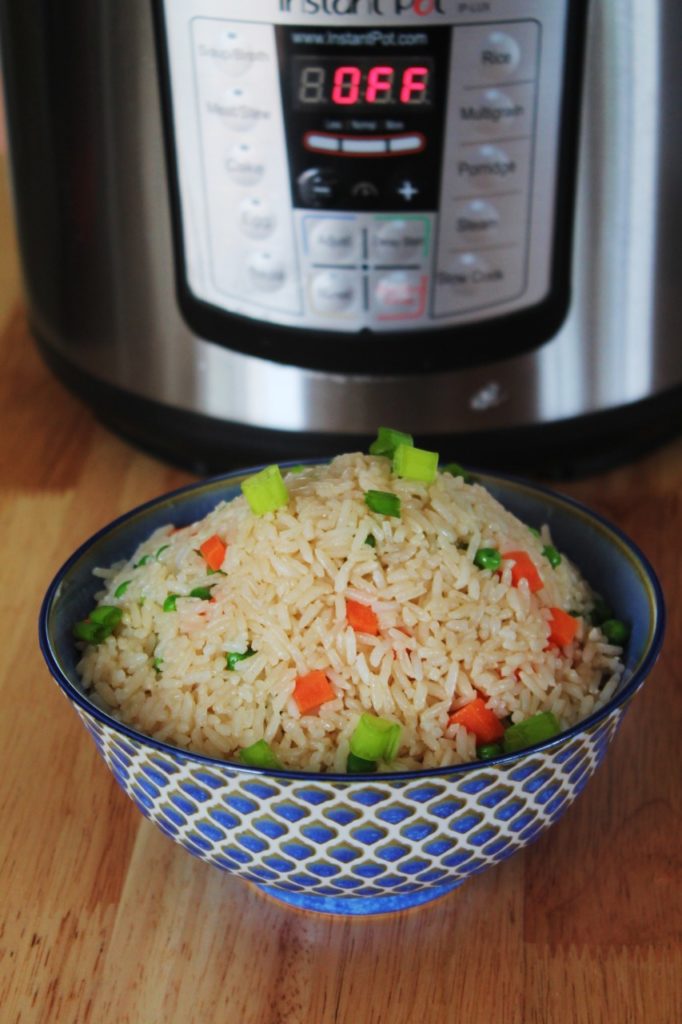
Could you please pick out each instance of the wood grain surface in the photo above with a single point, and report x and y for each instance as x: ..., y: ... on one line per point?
x: 105, y: 920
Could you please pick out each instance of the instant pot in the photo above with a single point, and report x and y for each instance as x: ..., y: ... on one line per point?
x: 265, y: 227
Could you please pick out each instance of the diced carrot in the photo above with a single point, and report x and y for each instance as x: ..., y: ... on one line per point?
x: 213, y: 551
x: 524, y: 569
x: 311, y: 690
x: 480, y: 720
x: 361, y: 618
x: 562, y: 627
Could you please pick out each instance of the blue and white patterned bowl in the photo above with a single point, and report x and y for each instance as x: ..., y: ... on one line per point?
x: 358, y: 844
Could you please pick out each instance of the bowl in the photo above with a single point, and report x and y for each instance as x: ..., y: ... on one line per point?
x: 358, y: 844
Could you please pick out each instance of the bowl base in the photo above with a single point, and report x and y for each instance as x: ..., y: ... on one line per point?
x: 360, y: 906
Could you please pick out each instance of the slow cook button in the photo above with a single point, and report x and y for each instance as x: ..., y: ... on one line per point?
x: 244, y: 164
x: 333, y: 239
x: 469, y: 273
x: 256, y: 218
x: 399, y: 240
x: 266, y: 272
x: 399, y: 293
x: 334, y: 291
x: 487, y: 167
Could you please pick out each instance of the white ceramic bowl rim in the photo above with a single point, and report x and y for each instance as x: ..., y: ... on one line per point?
x: 616, y: 536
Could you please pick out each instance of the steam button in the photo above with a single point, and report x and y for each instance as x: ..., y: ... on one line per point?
x: 477, y: 218
x: 266, y: 271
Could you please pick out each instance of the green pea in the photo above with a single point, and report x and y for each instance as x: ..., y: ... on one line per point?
x: 552, y: 555
x: 615, y: 631
x: 488, y: 558
x: 487, y: 751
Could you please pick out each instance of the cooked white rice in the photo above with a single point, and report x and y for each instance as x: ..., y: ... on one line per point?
x: 448, y: 630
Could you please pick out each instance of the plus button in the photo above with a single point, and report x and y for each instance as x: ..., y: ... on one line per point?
x: 407, y: 190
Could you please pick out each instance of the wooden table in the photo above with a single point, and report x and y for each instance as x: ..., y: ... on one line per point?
x: 105, y: 920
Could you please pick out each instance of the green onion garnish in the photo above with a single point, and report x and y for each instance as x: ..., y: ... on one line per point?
x: 552, y: 555
x: 534, y: 530
x: 169, y: 603
x: 143, y: 561
x: 161, y: 550
x: 265, y: 491
x: 370, y: 540
x: 488, y: 558
x: 234, y: 657
x: 487, y: 751
x: 259, y: 755
x: 99, y: 624
x: 203, y: 593
x: 415, y: 463
x: 383, y: 502
x: 387, y: 440
x: 454, y: 469
x: 296, y: 469
x: 359, y: 766
x: 375, y: 739
x: 156, y: 664
x: 121, y: 588
x: 542, y: 726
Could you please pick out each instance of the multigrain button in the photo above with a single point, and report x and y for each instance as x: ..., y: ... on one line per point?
x: 266, y: 272
x: 333, y: 291
x: 245, y: 164
x: 492, y: 112
x: 333, y: 239
x: 256, y: 218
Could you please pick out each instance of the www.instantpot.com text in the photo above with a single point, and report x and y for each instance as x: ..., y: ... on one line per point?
x: 371, y: 38
x: 386, y: 8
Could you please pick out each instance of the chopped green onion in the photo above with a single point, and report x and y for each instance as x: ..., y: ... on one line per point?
x: 164, y: 547
x: 214, y: 572
x: 454, y: 469
x: 387, y: 440
x: 370, y: 540
x: 169, y: 603
x: 488, y: 558
x: 601, y: 611
x: 375, y: 739
x: 99, y: 624
x: 534, y: 530
x: 552, y: 555
x: 296, y: 469
x: 156, y: 664
x: 143, y: 561
x: 383, y: 502
x: 203, y: 593
x: 359, y: 766
x: 265, y: 491
x: 542, y: 726
x: 615, y: 631
x: 415, y: 463
x: 234, y: 657
x: 487, y: 751
x: 106, y: 615
x: 142, y: 601
x: 121, y: 588
x: 259, y: 755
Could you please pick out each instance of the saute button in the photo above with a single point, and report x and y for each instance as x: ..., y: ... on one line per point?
x: 333, y: 291
x: 244, y: 164
x: 256, y: 218
x: 267, y: 272
x: 333, y: 239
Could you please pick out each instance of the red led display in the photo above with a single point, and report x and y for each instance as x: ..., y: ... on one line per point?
x: 326, y: 83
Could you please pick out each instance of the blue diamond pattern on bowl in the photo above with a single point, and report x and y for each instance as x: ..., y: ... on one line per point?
x: 342, y: 814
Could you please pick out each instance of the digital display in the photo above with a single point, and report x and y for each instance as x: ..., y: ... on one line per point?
x: 338, y: 83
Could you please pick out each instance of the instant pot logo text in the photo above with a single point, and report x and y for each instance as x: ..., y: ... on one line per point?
x: 388, y: 8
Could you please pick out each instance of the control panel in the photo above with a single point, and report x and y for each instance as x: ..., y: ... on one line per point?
x: 340, y: 175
